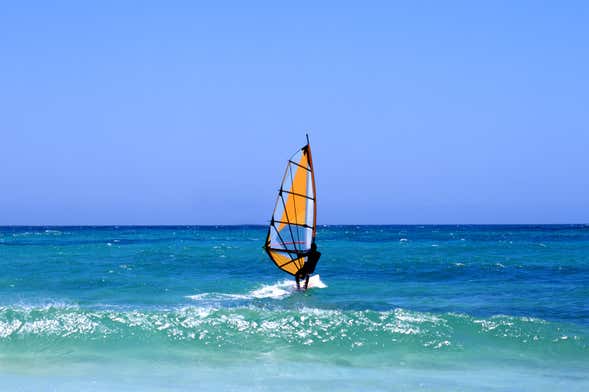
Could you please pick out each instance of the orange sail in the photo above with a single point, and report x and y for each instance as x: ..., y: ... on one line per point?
x: 293, y: 224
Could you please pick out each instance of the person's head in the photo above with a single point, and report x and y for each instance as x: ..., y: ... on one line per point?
x: 313, y: 246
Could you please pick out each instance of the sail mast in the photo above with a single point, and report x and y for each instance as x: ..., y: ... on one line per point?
x: 314, y: 188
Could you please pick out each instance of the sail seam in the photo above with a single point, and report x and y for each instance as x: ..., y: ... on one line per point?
x: 295, y: 224
x: 298, y: 194
x: 301, y: 166
x: 298, y: 253
x: 289, y: 262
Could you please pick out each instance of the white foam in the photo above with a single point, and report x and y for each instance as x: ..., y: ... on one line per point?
x: 316, y: 283
x: 278, y: 290
x: 285, y: 287
x: 217, y: 297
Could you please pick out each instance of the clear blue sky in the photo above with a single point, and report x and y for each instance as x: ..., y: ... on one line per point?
x: 185, y: 112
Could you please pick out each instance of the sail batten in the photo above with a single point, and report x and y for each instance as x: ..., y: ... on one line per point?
x: 292, y: 227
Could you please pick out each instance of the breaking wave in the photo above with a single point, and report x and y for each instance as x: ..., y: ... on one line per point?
x: 258, y: 329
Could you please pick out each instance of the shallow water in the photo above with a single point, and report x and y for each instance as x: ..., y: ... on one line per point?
x: 404, y: 308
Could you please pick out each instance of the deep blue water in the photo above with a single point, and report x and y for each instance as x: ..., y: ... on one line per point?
x: 405, y: 308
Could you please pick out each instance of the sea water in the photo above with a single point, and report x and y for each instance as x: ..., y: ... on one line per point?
x: 399, y: 308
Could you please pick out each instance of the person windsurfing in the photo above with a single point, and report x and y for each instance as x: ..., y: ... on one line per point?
x: 291, y: 233
x: 309, y: 267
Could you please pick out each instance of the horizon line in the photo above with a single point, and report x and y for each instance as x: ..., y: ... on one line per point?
x: 321, y: 225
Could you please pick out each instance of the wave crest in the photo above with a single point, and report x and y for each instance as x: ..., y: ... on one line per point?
x: 256, y: 329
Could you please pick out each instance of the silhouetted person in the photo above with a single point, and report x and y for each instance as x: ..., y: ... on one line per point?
x: 309, y: 267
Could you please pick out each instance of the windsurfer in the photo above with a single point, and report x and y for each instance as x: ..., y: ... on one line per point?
x: 309, y: 267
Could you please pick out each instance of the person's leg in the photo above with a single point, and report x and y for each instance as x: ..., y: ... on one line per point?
x: 297, y: 279
x: 306, y: 282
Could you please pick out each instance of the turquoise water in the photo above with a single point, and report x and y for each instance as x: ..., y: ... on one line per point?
x: 427, y: 308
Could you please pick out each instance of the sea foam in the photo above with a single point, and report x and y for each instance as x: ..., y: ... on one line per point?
x: 278, y: 290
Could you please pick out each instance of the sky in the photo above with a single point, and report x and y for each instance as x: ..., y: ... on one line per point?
x: 184, y: 112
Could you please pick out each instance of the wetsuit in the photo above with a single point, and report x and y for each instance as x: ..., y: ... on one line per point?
x: 309, y: 267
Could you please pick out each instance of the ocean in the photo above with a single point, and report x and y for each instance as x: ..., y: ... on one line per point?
x: 403, y: 308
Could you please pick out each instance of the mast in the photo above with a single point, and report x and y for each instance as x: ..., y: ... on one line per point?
x: 313, y: 184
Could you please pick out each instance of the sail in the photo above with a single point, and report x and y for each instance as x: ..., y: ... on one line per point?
x: 293, y: 223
